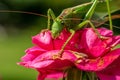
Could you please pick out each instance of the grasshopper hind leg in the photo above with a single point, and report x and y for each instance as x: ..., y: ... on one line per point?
x: 109, y: 14
x: 84, y: 23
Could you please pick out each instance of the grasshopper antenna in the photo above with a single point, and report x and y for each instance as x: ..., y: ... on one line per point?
x: 24, y: 12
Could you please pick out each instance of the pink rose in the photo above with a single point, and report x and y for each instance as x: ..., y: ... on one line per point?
x: 43, y: 56
x: 85, y: 50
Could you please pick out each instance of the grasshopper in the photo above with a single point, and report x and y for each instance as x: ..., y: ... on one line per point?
x: 84, y: 11
x: 74, y: 12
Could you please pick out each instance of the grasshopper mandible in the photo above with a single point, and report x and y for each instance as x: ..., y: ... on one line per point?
x: 84, y: 11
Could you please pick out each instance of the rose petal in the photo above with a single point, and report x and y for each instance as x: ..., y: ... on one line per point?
x: 46, y: 60
x: 105, y: 32
x: 112, y: 72
x: 31, y: 54
x: 44, y: 40
x: 50, y: 74
x: 91, y: 44
x: 99, y: 63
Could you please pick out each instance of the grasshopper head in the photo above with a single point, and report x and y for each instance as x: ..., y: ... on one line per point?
x: 56, y: 29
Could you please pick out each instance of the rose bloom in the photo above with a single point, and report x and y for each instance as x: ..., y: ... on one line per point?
x: 86, y: 51
x: 43, y: 56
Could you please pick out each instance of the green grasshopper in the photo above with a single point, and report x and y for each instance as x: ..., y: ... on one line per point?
x: 74, y: 12
x: 84, y: 11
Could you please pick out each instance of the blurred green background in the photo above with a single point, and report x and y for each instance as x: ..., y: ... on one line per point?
x: 16, y: 30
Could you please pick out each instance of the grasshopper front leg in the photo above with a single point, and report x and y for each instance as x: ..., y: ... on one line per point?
x: 91, y: 24
x: 91, y: 10
x: 50, y: 15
